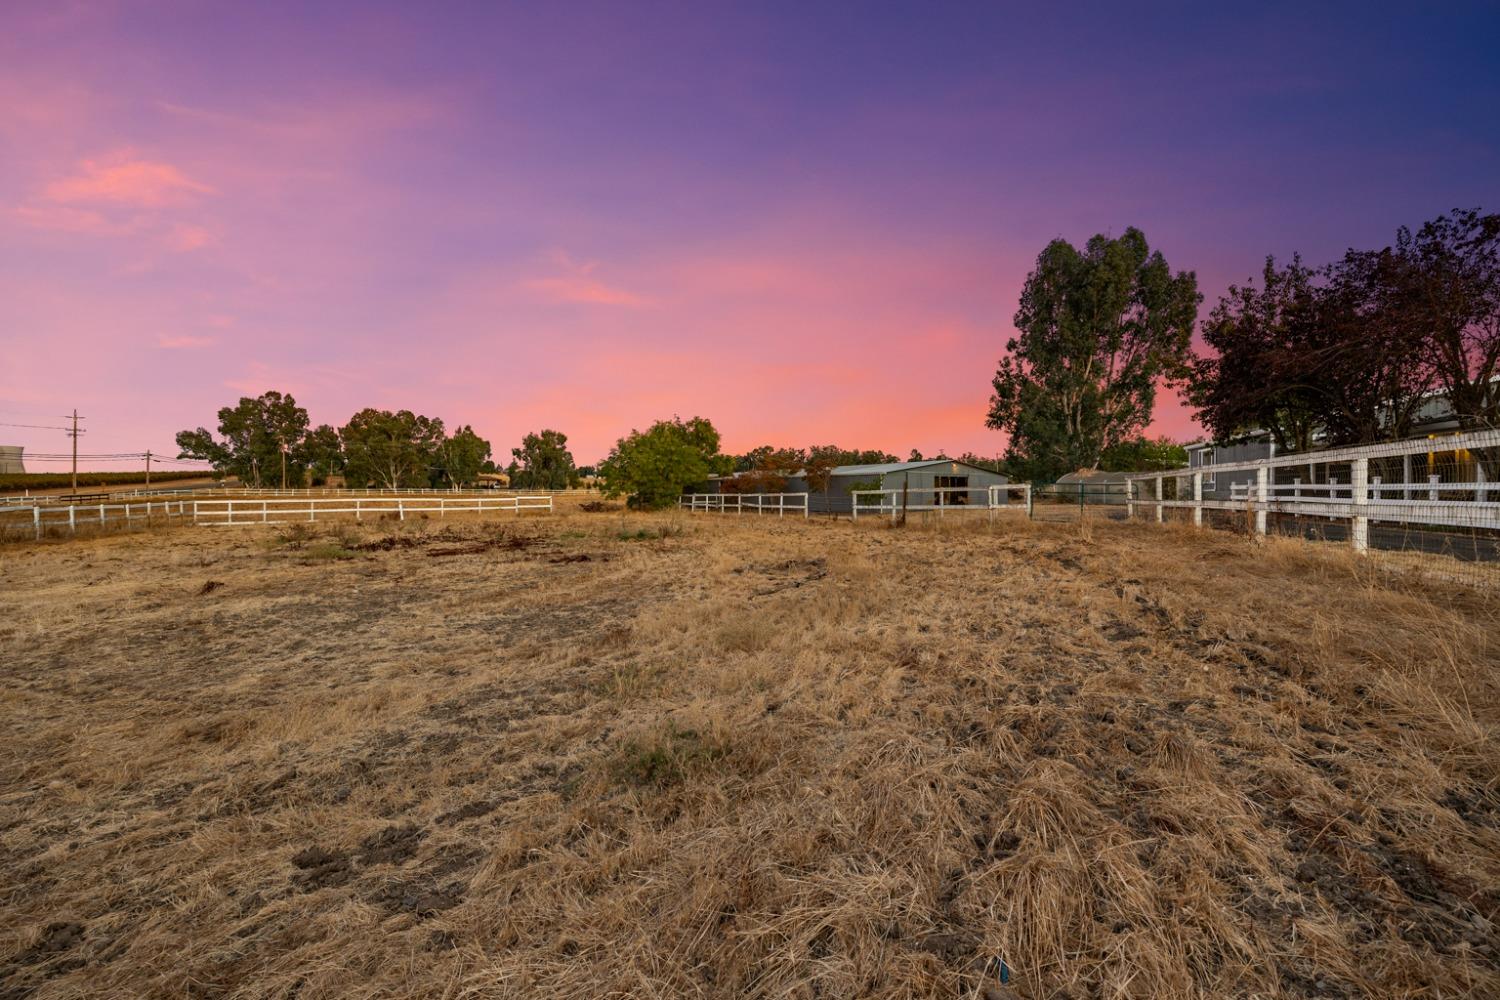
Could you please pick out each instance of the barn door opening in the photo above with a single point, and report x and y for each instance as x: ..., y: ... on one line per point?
x: 953, y: 483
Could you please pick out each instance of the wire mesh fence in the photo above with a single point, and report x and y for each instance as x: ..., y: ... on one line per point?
x: 1431, y: 504
x: 1072, y: 501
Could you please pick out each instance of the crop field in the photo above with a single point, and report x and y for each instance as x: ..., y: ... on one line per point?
x: 624, y: 755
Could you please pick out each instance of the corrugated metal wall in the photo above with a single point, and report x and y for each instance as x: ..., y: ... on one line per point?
x: 836, y: 500
x: 979, y: 481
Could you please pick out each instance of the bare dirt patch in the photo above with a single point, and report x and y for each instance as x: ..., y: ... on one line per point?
x: 707, y: 756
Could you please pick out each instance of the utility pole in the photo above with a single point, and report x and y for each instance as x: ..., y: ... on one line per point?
x: 74, y: 435
x: 148, y: 468
x: 283, y: 465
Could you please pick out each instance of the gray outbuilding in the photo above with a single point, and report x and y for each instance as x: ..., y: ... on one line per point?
x: 968, y: 484
x: 1092, y: 486
x: 10, y: 460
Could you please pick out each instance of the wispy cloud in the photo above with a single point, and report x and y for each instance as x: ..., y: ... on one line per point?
x: 185, y: 237
x: 577, y: 284
x: 185, y: 342
x: 71, y: 219
x: 124, y: 178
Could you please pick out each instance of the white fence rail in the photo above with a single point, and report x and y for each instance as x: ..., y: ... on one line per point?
x: 779, y: 504
x: 880, y: 503
x: 329, y: 491
x: 39, y: 519
x: 1469, y: 498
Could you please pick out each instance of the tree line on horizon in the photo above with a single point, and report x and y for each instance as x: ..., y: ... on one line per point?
x: 268, y: 440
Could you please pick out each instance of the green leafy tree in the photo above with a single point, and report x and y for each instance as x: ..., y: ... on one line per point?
x: 654, y: 466
x: 321, y: 453
x: 463, y: 456
x: 261, y: 441
x: 1143, y: 454
x: 840, y: 456
x: 543, y: 462
x: 1099, y: 329
x: 992, y: 464
x: 831, y: 453
x: 754, y: 458
x: 391, y: 450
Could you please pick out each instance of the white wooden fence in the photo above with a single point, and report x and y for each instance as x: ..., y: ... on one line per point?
x: 1467, y: 498
x: 330, y: 491
x: 943, y: 499
x: 740, y: 503
x: 37, y: 520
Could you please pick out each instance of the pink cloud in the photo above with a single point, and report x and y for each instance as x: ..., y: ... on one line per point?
x: 69, y: 219
x: 185, y: 237
x: 577, y: 284
x: 585, y: 291
x: 183, y: 343
x: 123, y: 178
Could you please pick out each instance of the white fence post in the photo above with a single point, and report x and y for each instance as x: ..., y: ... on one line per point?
x: 1431, y: 493
x: 1160, y: 496
x: 401, y: 508
x: 1359, y: 531
x: 1197, y: 499
x: 1130, y: 499
x: 1262, y: 494
x: 36, y: 520
x: 72, y: 524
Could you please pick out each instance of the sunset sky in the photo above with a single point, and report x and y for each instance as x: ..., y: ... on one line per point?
x: 807, y: 222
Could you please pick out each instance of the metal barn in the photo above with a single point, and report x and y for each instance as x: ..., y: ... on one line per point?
x: 913, y: 476
x: 919, y: 478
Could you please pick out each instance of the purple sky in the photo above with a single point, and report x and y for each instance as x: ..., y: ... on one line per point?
x: 808, y: 222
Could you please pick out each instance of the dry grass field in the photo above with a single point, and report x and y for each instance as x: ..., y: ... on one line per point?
x: 610, y: 755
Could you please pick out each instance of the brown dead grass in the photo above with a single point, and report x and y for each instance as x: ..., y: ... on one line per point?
x: 728, y: 757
